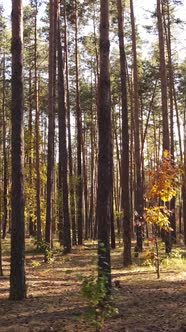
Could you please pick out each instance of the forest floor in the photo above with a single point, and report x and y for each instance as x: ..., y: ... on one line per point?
x: 55, y: 301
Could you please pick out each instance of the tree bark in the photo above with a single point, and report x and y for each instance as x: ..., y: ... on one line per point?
x: 5, y: 179
x: 104, y: 128
x: 127, y: 260
x: 37, y: 146
x: 171, y: 101
x: 92, y: 158
x: 85, y: 179
x: 63, y: 183
x: 1, y: 263
x: 30, y: 157
x: 71, y: 183
x: 163, y: 77
x: 51, y: 110
x: 112, y: 224
x: 17, y: 265
x: 184, y: 182
x: 164, y: 103
x: 79, y: 138
x: 137, y: 155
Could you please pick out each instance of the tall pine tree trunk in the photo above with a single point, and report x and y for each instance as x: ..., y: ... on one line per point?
x: 163, y: 77
x: 51, y: 110
x: 164, y: 103
x: 17, y: 265
x: 125, y: 144
x: 184, y: 182
x: 92, y: 161
x: 104, y: 127
x: 71, y: 182
x: 171, y: 101
x: 5, y: 179
x: 30, y: 157
x: 63, y: 183
x: 1, y: 264
x: 112, y: 224
x: 138, y: 200
x: 79, y: 138
x: 37, y: 144
x: 85, y: 179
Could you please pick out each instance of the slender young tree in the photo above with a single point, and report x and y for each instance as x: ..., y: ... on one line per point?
x: 125, y: 143
x: 104, y: 128
x: 17, y: 266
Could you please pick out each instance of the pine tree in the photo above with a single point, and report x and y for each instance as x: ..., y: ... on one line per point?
x: 125, y: 144
x: 17, y: 269
x: 104, y: 124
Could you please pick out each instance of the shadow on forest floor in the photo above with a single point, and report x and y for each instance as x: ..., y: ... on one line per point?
x: 55, y: 303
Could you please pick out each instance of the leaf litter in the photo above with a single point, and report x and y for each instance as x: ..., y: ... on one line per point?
x: 54, y: 302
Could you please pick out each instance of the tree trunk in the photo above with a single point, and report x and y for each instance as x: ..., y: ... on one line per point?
x: 36, y: 88
x: 163, y: 78
x: 112, y: 224
x: 104, y: 127
x: 139, y: 185
x: 5, y: 179
x: 92, y: 158
x: 79, y: 138
x: 51, y: 110
x: 1, y: 264
x: 17, y: 265
x: 30, y: 157
x: 171, y: 102
x: 184, y: 181
x: 127, y: 260
x: 63, y: 184
x: 85, y: 178
x: 71, y: 182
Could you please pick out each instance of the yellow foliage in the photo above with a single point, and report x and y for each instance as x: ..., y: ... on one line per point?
x: 158, y: 215
x: 163, y: 185
x: 164, y: 180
